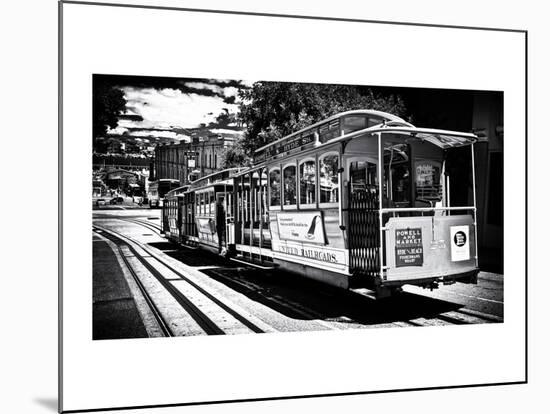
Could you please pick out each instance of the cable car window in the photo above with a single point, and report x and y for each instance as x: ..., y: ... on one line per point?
x: 363, y: 175
x: 289, y: 185
x: 247, y: 194
x: 328, y: 179
x: 275, y: 187
x: 263, y: 185
x: 354, y: 123
x: 427, y: 181
x: 374, y: 121
x: 212, y: 203
x: 397, y: 184
x: 329, y: 130
x: 307, y: 182
x: 255, y: 186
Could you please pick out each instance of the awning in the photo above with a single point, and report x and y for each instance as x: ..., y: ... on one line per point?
x: 439, y: 137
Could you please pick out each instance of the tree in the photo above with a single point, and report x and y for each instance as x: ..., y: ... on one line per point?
x: 108, y: 105
x: 235, y: 156
x: 272, y: 110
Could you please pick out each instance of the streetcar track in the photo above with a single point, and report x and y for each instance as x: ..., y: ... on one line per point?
x: 202, y: 318
x: 319, y: 318
x: 163, y: 325
x: 293, y: 306
x: 479, y: 298
x: 150, y: 226
x: 165, y: 328
x: 480, y: 315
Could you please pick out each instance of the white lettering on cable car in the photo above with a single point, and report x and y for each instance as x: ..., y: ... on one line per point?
x: 310, y: 252
x: 408, y: 247
x: 305, y: 227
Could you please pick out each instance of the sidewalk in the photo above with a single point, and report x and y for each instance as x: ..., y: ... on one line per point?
x: 115, y: 314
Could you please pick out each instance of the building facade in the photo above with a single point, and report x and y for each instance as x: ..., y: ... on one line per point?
x: 187, y: 161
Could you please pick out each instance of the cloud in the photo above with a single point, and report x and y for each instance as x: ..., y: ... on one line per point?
x: 225, y: 131
x: 159, y: 133
x: 217, y: 90
x: 167, y: 108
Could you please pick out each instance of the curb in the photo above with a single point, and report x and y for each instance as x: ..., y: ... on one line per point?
x: 495, y: 277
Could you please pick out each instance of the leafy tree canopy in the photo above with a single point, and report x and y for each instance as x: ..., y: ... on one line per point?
x: 272, y: 110
x: 108, y: 104
x: 235, y: 155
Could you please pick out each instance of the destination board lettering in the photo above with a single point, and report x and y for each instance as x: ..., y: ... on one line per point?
x: 408, y: 247
x: 311, y: 253
x: 283, y: 146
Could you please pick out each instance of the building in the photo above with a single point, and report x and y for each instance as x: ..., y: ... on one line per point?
x: 187, y: 161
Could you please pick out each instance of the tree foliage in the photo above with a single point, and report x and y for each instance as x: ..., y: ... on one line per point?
x: 235, y: 156
x: 272, y: 110
x: 108, y: 104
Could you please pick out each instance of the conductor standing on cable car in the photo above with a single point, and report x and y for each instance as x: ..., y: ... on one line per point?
x: 220, y: 225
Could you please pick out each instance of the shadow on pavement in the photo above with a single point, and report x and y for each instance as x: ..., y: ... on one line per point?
x: 326, y: 302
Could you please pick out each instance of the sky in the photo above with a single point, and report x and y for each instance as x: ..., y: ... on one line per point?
x: 162, y: 107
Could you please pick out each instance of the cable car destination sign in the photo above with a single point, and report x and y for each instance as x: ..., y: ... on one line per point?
x: 284, y: 145
x: 408, y: 247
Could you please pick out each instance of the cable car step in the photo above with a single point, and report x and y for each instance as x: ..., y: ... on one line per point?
x: 255, y: 263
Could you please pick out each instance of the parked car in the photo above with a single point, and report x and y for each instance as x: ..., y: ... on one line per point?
x: 100, y: 202
x: 116, y: 200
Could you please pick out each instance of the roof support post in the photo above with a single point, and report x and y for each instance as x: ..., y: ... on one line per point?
x: 380, y: 196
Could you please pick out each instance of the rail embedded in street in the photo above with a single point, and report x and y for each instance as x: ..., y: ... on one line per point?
x: 205, y: 321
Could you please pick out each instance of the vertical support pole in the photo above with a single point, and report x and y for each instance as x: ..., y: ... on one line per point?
x: 251, y: 214
x: 241, y: 213
x: 380, y: 197
x: 340, y: 192
x: 225, y: 203
x: 261, y: 210
x: 448, y: 191
x: 474, y: 194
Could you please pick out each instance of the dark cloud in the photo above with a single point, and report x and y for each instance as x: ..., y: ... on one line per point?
x: 131, y: 117
x: 229, y: 100
x: 181, y: 84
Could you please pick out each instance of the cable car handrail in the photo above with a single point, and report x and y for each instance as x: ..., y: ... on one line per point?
x: 412, y: 209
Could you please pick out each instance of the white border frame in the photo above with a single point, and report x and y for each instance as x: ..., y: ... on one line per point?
x: 81, y: 358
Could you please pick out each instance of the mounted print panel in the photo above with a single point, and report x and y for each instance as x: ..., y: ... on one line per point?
x: 266, y: 219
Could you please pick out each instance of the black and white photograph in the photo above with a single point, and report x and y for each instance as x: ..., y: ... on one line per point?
x: 264, y: 206
x: 225, y: 207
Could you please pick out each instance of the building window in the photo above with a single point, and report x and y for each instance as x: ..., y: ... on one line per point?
x: 289, y: 185
x: 307, y: 182
x: 328, y: 179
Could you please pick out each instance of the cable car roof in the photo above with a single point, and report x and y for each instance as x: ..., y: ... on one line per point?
x: 384, y: 115
x: 178, y: 190
x: 218, y: 177
x: 442, y: 138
